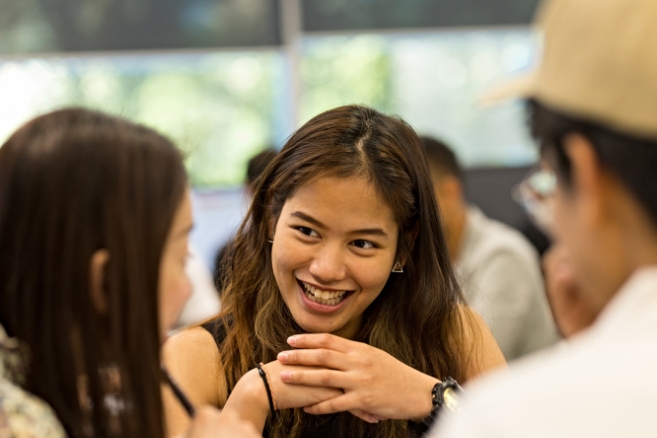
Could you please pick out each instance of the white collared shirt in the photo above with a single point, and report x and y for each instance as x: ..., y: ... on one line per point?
x: 604, y: 385
x: 499, y: 272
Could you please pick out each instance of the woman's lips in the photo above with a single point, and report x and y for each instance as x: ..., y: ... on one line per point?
x: 322, y: 301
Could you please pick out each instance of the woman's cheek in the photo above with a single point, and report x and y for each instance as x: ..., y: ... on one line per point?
x: 371, y: 275
x: 292, y: 254
x: 283, y: 261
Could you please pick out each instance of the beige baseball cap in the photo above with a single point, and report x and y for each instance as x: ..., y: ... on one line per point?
x: 599, y: 62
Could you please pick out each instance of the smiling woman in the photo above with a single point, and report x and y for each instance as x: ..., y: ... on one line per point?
x: 341, y: 256
x: 330, y: 266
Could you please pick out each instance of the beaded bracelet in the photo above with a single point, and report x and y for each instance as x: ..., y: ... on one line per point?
x: 270, y: 393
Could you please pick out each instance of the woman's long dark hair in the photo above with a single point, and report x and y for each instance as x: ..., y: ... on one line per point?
x: 415, y: 318
x: 72, y: 182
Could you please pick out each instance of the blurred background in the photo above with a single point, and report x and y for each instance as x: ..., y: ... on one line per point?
x: 226, y: 79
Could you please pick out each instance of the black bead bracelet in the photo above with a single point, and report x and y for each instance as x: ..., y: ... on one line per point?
x: 270, y: 395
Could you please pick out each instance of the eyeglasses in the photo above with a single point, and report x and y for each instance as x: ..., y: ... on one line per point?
x: 535, y: 194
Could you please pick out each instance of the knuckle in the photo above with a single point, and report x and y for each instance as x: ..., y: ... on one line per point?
x: 325, y: 379
x: 363, y: 360
x: 366, y: 381
x: 331, y: 406
x: 324, y: 340
x: 367, y: 401
x: 322, y: 356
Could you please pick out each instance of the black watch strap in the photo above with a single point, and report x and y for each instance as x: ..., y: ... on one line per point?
x: 445, y: 395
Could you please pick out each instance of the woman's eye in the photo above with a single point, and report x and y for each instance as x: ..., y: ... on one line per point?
x: 363, y: 244
x: 307, y: 231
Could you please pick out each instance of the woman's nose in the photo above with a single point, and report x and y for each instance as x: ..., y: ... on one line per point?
x: 328, y: 265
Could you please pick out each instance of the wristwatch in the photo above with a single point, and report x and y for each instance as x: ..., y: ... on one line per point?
x: 444, y: 394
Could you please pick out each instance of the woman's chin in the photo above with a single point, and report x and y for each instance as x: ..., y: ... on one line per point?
x: 310, y: 324
x: 316, y: 326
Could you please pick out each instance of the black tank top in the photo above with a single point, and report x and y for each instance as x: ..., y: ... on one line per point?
x: 328, y: 425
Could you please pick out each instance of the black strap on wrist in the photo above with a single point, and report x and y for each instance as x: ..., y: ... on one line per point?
x: 438, y: 399
x: 263, y: 375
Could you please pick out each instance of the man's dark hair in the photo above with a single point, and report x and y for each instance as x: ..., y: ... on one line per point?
x: 441, y: 157
x: 255, y: 167
x: 258, y: 163
x: 630, y: 158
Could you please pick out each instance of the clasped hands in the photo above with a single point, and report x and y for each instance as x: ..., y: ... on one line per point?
x: 350, y: 376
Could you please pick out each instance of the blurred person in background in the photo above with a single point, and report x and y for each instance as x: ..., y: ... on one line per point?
x: 340, y: 286
x: 95, y: 215
x: 204, y: 301
x: 498, y: 269
x: 206, y: 287
x: 255, y: 167
x: 592, y: 103
x: 21, y: 414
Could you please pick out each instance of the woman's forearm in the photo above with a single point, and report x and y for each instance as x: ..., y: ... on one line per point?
x: 422, y: 386
x: 248, y: 400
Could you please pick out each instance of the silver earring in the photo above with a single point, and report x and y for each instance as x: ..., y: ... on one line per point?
x: 397, y: 269
x: 270, y: 241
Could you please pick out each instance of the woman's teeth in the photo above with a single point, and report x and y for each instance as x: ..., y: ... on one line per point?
x: 329, y: 298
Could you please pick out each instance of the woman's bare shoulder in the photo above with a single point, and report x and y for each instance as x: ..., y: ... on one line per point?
x: 192, y: 359
x: 191, y: 345
x: 482, y: 354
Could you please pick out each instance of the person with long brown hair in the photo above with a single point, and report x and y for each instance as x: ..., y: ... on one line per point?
x: 341, y: 256
x: 94, y: 221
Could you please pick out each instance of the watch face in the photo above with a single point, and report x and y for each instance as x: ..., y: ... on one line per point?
x: 451, y: 400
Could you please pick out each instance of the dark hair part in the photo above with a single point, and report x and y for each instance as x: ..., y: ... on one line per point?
x: 630, y: 158
x: 423, y: 329
x: 258, y: 163
x: 441, y: 157
x: 73, y: 182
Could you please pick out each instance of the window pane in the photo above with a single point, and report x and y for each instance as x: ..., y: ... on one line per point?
x: 432, y: 81
x: 38, y: 26
x: 343, y: 70
x: 323, y: 15
x: 219, y: 108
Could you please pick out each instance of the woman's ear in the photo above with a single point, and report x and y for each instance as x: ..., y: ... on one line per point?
x: 97, y: 274
x: 271, y: 227
x: 410, y: 237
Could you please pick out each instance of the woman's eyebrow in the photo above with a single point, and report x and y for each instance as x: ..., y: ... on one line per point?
x: 306, y: 217
x: 368, y: 231
x: 371, y: 232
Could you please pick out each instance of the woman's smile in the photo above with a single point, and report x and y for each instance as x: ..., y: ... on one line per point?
x: 322, y: 300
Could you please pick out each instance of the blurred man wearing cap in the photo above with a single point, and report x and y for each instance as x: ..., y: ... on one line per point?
x: 593, y: 109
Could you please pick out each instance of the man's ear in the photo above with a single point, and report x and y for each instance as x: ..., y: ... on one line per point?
x: 97, y: 274
x: 453, y: 187
x: 448, y: 189
x: 589, y: 180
